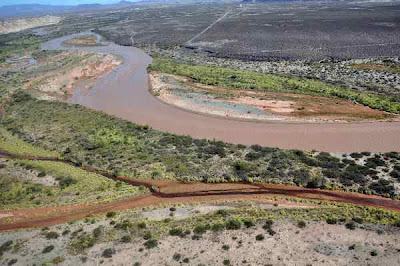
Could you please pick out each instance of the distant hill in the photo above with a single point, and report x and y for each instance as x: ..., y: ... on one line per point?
x: 39, y: 9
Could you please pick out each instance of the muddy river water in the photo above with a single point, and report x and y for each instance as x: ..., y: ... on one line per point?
x: 125, y: 94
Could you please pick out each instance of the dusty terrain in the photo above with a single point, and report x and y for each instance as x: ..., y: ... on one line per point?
x: 284, y: 243
x: 263, y: 106
x: 27, y: 23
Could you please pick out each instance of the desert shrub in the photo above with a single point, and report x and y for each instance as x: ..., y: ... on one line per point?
x: 260, y: 237
x: 147, y: 236
x: 358, y: 220
x: 142, y: 225
x: 396, y: 223
x: 218, y: 227
x: 300, y: 176
x: 233, y: 224
x: 98, y: 231
x: 226, y: 247
x: 222, y: 212
x: 350, y: 225
x: 331, y: 220
x: 382, y: 187
x: 52, y: 235
x: 83, y: 242
x: 241, y: 168
x: 200, y: 229
x: 48, y: 249
x: 108, y: 253
x: 151, y: 243
x: 301, y: 224
x: 172, y: 209
x: 226, y: 262
x: 374, y: 253
x: 12, y: 262
x: 65, y: 232
x: 374, y: 162
x: 42, y: 174
x: 186, y: 260
x: 175, y: 232
x: 248, y: 222
x: 352, y: 247
x: 137, y: 264
x: 356, y: 155
x: 57, y: 260
x: 6, y: 246
x: 65, y: 181
x: 177, y: 257
x: 125, y: 225
x: 271, y: 232
x: 252, y: 156
x: 196, y: 237
x: 126, y: 239
x: 111, y: 214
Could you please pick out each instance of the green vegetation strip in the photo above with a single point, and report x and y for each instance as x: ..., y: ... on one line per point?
x: 12, y: 144
x: 65, y: 185
x: 249, y: 80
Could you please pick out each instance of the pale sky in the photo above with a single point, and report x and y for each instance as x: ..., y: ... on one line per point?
x: 56, y: 2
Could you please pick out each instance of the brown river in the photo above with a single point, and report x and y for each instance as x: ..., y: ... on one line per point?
x: 125, y: 94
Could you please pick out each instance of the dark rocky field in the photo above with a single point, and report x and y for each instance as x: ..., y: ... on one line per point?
x: 266, y: 31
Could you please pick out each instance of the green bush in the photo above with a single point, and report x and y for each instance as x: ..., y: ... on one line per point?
x: 111, y: 214
x: 126, y: 239
x: 233, y: 224
x: 200, y: 229
x: 176, y: 232
x: 226, y: 262
x: 331, y: 220
x: 48, y: 249
x: 218, y: 227
x: 52, y: 235
x: 301, y: 224
x: 225, y: 247
x: 260, y: 237
x: 248, y: 222
x: 350, y: 225
x: 151, y: 243
x: 108, y: 253
x: 177, y: 257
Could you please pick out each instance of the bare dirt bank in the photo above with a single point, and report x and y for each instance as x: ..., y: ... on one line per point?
x: 124, y: 93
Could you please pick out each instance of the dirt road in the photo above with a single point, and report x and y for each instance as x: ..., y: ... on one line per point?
x: 169, y: 192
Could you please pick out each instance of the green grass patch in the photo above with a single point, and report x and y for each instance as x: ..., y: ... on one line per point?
x: 250, y: 80
x: 73, y: 186
x: 12, y: 144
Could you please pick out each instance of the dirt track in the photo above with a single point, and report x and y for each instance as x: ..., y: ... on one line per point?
x: 124, y: 93
x: 169, y: 191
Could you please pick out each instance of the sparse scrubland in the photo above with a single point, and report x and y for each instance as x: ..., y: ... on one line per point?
x: 228, y: 231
